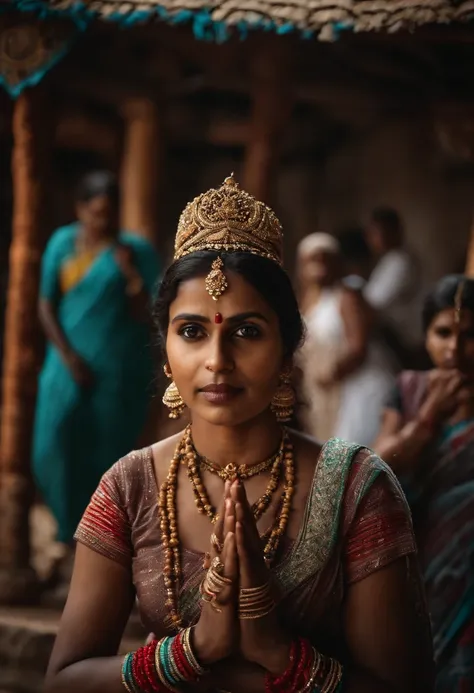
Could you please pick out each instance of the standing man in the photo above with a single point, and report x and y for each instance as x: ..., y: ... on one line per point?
x: 394, y: 286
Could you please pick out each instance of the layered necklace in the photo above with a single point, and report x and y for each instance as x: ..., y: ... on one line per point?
x: 281, y: 462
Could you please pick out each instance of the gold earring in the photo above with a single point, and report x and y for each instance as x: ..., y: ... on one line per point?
x: 284, y: 400
x: 172, y: 399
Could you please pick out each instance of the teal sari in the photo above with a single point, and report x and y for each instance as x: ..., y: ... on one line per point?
x: 79, y: 433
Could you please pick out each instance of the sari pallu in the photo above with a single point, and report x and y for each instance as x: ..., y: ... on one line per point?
x: 356, y: 521
x: 441, y: 494
x: 79, y: 433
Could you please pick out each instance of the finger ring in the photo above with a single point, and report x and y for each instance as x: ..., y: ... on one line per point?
x: 206, y: 562
x: 217, y: 566
x: 216, y: 543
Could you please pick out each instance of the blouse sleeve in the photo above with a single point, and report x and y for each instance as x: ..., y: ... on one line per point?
x: 105, y: 526
x: 381, y: 531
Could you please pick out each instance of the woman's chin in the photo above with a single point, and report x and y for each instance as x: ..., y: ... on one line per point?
x: 227, y: 415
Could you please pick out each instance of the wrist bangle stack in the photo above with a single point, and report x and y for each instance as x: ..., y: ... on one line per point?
x: 308, y: 672
x: 256, y: 602
x: 162, y: 666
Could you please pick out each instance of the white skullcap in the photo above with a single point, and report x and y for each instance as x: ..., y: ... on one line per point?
x: 318, y: 241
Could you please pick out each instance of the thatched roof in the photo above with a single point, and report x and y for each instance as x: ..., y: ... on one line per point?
x: 324, y: 18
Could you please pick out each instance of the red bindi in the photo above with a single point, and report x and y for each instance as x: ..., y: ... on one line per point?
x: 218, y: 318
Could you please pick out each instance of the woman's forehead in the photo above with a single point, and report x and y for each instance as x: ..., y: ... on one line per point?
x: 239, y: 297
x: 447, y: 317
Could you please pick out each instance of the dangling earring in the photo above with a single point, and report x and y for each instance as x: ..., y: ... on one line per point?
x: 284, y: 399
x: 172, y: 399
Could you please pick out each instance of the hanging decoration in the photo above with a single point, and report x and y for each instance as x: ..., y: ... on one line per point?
x: 30, y: 47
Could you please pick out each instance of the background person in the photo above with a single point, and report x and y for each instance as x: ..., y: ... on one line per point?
x: 346, y: 372
x: 428, y: 438
x: 94, y: 387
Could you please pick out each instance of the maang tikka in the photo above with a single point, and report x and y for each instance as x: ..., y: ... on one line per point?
x: 216, y: 281
x: 172, y: 399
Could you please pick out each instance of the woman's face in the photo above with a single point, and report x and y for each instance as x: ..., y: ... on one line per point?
x: 450, y: 344
x: 319, y: 267
x: 99, y: 216
x: 226, y: 373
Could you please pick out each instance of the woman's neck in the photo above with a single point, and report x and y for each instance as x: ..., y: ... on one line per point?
x: 89, y: 240
x: 248, y: 443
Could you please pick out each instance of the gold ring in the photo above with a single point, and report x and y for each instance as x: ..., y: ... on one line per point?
x: 216, y: 543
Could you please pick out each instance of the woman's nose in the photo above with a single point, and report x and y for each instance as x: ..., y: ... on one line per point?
x: 219, y: 358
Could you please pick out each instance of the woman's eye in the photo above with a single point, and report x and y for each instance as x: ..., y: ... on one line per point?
x: 443, y: 332
x: 191, y: 331
x: 248, y: 332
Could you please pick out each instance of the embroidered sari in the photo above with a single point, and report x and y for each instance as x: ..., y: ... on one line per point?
x: 79, y: 433
x: 356, y: 521
x: 441, y: 494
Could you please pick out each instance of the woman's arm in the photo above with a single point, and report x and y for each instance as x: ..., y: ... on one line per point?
x: 401, y: 445
x: 99, y: 603
x: 47, y: 313
x: 388, y: 632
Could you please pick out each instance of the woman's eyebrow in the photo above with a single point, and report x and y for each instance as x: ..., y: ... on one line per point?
x: 190, y: 317
x: 241, y: 317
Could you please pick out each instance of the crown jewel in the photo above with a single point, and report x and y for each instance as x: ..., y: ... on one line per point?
x: 228, y: 219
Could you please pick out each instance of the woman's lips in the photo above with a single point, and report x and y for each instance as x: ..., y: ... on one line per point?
x: 220, y: 394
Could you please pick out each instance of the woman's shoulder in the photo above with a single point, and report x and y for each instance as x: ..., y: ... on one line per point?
x: 138, y: 243
x: 130, y: 475
x: 64, y: 234
x: 162, y: 453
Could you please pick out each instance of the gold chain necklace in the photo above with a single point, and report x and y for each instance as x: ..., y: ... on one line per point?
x: 201, y: 497
x: 237, y: 471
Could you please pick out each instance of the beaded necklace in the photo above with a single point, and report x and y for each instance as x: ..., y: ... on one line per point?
x: 186, y: 454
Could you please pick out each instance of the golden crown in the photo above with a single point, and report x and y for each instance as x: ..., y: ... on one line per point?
x: 228, y: 220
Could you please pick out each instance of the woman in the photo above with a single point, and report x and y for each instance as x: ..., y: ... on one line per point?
x: 279, y: 586
x: 93, y: 388
x: 428, y: 438
x: 346, y: 373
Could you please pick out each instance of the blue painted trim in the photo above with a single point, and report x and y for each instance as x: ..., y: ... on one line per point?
x: 203, y: 26
x: 37, y: 6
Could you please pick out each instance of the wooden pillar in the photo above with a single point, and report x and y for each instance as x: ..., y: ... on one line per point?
x: 22, y: 344
x: 469, y: 271
x: 140, y: 168
x: 271, y: 111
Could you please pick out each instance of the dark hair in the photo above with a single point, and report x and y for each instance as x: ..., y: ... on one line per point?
x: 272, y: 283
x: 353, y: 244
x: 389, y: 220
x: 98, y: 184
x: 443, y: 295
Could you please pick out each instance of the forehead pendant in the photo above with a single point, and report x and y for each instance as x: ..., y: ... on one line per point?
x: 218, y: 318
x: 216, y: 282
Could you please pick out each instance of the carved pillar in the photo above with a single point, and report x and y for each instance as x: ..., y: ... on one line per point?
x: 272, y: 106
x: 140, y: 168
x: 22, y: 346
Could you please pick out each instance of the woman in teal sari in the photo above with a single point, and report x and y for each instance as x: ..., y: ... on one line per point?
x: 428, y: 438
x: 94, y: 387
